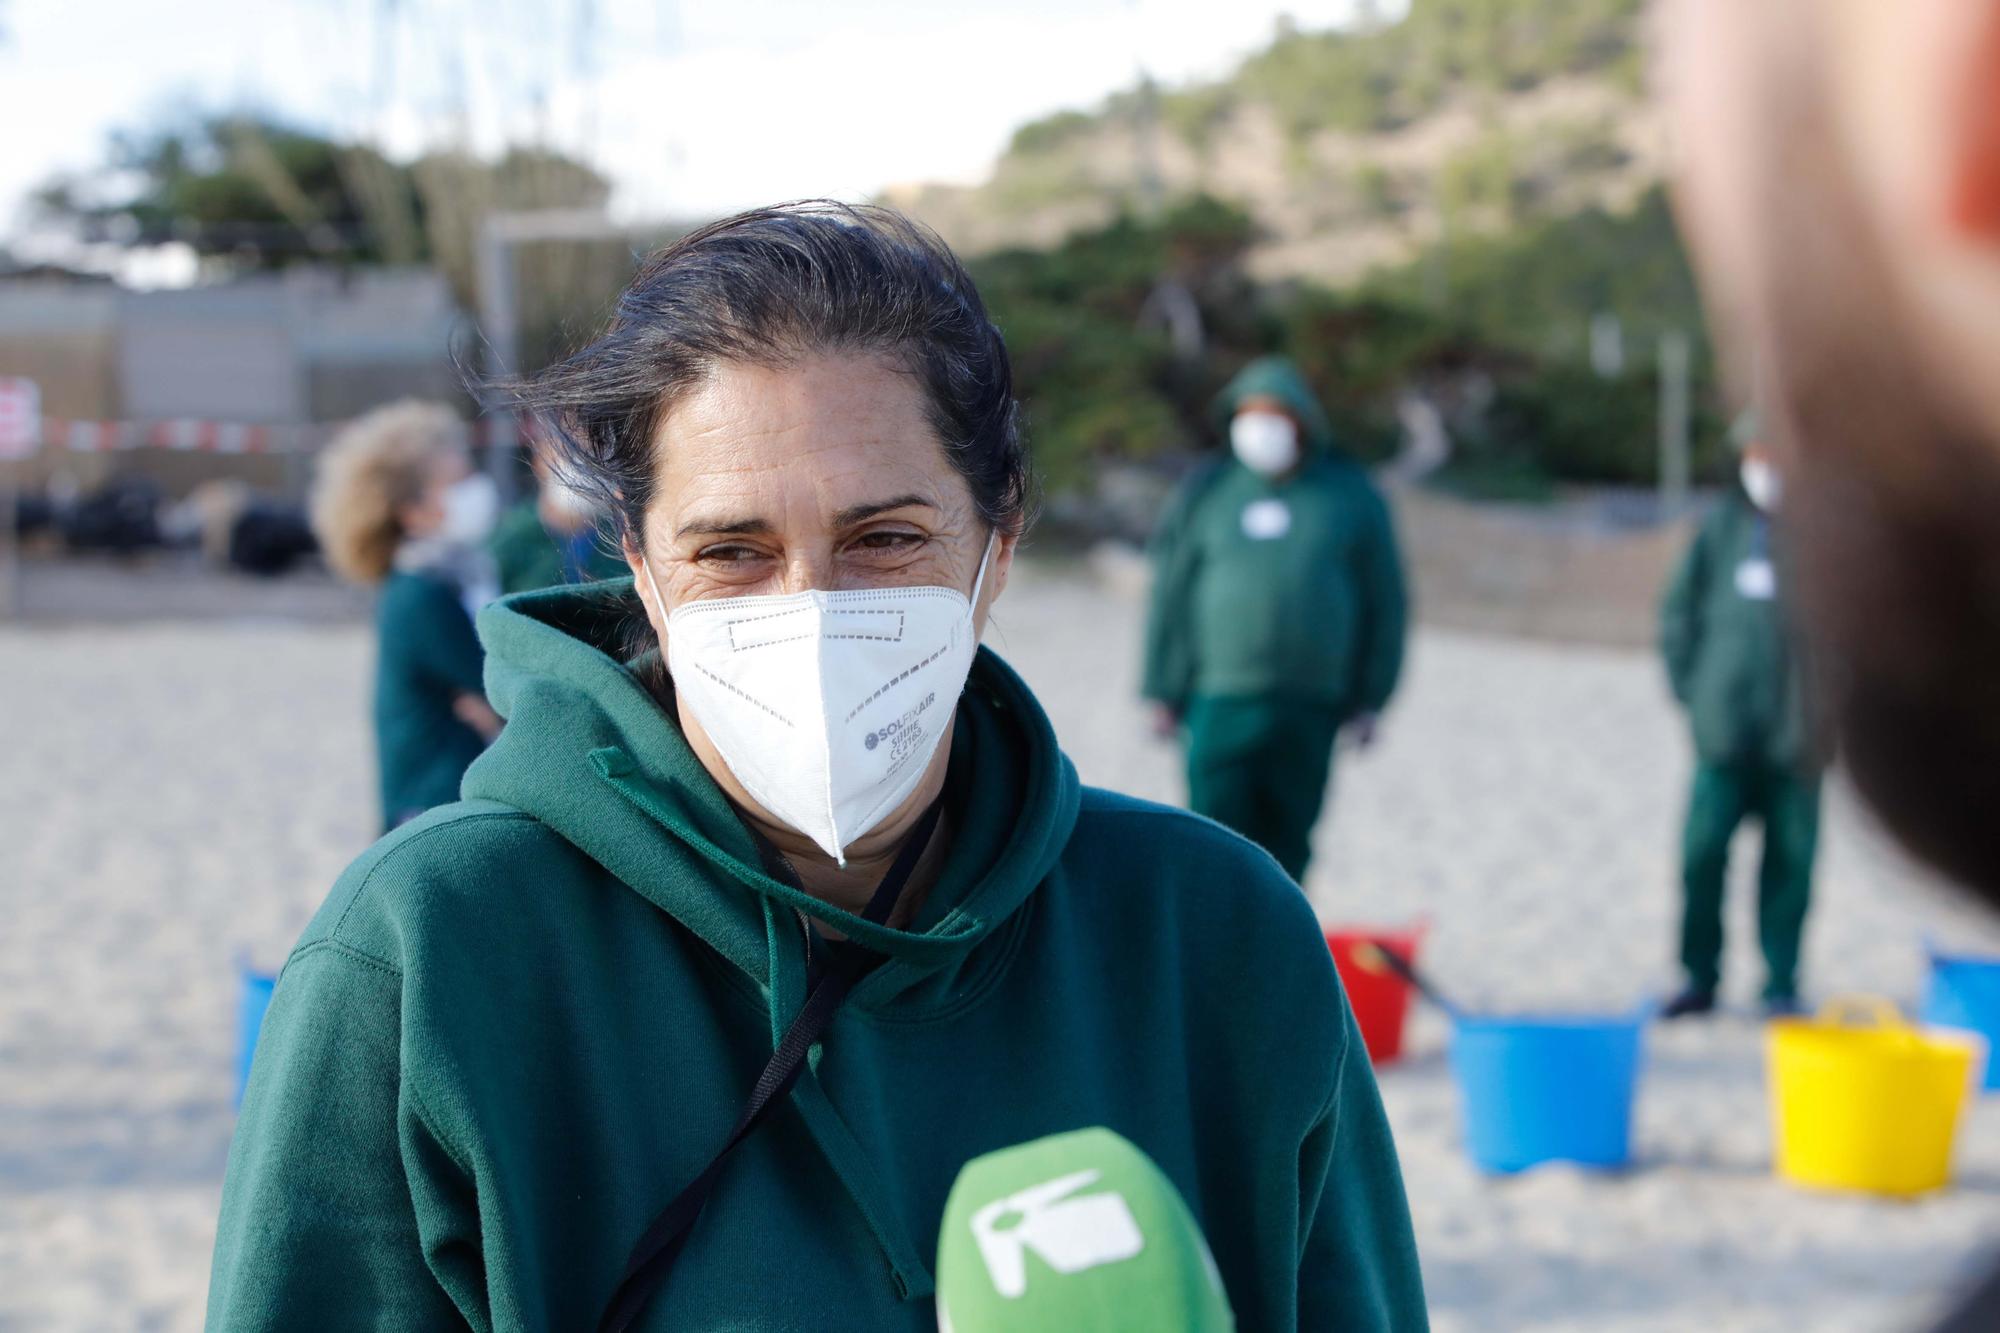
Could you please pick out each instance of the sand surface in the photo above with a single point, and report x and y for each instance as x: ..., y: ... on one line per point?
x: 174, y: 795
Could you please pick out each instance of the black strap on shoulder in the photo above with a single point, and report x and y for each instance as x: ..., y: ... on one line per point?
x: 846, y: 964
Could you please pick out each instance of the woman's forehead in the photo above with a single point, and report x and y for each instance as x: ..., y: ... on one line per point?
x: 828, y: 434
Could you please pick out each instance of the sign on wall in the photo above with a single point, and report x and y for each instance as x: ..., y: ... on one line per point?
x: 20, y: 417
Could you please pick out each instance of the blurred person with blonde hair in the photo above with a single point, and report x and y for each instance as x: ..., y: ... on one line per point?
x: 396, y: 503
x: 1839, y: 184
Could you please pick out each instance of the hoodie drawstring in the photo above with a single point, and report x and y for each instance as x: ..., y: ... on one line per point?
x: 850, y: 1163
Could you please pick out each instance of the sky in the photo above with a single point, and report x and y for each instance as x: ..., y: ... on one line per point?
x: 692, y: 107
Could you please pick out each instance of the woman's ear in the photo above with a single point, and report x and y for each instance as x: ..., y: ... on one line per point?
x: 642, y: 583
x: 997, y: 567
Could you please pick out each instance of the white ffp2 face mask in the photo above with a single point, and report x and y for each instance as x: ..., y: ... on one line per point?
x: 1265, y: 442
x: 471, y: 508
x: 827, y: 706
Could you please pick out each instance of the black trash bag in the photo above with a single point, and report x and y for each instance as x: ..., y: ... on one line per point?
x: 121, y: 516
x: 270, y: 537
x: 34, y: 512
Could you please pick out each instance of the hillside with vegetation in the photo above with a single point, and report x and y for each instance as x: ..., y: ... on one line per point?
x: 1352, y: 148
x: 1492, y: 332
x: 1461, y: 208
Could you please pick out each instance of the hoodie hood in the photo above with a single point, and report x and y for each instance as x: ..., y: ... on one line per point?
x: 590, y: 752
x: 1276, y: 377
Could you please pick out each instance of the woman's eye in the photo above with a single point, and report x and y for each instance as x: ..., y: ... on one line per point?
x: 887, y: 541
x: 727, y: 555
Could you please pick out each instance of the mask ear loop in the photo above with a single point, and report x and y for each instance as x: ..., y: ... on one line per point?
x: 979, y: 580
x: 659, y: 605
x: 652, y: 586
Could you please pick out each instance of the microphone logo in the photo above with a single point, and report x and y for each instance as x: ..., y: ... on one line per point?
x: 1069, y: 1234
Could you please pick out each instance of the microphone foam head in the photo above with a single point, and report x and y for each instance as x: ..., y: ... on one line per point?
x: 1075, y: 1231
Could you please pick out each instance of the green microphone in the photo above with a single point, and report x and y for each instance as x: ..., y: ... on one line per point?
x: 1075, y: 1231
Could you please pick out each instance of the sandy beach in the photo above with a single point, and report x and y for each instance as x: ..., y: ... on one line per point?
x: 174, y: 795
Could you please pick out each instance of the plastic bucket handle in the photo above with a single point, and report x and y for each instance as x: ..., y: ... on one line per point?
x: 1367, y: 955
x: 1862, y: 1011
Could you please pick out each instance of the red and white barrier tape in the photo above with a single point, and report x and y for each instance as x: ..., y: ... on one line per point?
x: 209, y: 437
x: 189, y: 435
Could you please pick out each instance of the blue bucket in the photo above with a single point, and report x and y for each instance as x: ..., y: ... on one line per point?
x: 1964, y: 993
x: 252, y: 999
x: 1548, y: 1089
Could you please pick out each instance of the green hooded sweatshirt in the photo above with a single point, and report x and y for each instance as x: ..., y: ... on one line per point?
x: 1309, y: 607
x: 522, y: 1023
x: 527, y: 556
x: 1732, y: 659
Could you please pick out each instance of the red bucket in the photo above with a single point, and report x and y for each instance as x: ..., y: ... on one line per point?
x: 1380, y: 999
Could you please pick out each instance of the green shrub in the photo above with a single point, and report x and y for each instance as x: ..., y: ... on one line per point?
x: 1051, y: 132
x: 1511, y: 311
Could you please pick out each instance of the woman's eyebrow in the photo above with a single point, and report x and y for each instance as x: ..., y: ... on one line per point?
x: 853, y: 514
x: 740, y: 527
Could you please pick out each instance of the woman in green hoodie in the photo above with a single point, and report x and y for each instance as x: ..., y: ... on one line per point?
x: 767, y: 818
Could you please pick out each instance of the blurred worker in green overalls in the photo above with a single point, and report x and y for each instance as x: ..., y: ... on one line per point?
x: 1278, y: 614
x: 1735, y: 666
x: 551, y: 535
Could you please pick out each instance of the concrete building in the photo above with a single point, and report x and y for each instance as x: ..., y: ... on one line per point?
x: 295, y: 351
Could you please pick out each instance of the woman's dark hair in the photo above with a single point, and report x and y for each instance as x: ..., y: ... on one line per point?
x: 768, y: 287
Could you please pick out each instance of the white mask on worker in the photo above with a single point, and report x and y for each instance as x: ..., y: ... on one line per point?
x: 826, y: 706
x: 1265, y: 442
x: 471, y: 508
x: 568, y: 499
x: 1762, y: 483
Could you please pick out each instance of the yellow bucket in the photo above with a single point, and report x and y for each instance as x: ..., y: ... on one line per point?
x: 1864, y: 1101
